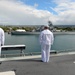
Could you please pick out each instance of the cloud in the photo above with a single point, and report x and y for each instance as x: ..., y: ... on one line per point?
x: 15, y: 12
x: 62, y: 1
x: 35, y: 5
x: 65, y: 11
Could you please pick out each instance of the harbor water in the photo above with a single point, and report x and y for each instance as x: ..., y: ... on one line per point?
x: 61, y: 42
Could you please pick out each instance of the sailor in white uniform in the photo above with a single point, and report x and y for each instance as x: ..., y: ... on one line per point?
x: 46, y: 39
x: 2, y: 38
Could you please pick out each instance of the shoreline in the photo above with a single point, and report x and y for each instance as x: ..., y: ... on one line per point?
x: 64, y: 33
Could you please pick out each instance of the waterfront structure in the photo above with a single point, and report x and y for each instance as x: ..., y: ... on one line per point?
x: 20, y: 30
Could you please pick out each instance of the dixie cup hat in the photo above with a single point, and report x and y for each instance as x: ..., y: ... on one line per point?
x: 46, y: 26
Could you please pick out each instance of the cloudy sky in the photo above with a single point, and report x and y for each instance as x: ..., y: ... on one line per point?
x: 37, y: 12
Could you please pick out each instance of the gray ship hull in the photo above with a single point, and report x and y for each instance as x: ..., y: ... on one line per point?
x: 24, y: 33
x: 37, y: 33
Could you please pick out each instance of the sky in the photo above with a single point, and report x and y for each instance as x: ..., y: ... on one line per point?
x: 37, y: 12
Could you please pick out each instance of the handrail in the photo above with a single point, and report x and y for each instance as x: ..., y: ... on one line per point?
x: 66, y: 50
x: 37, y: 53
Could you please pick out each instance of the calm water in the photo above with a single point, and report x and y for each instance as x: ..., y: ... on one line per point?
x: 61, y: 42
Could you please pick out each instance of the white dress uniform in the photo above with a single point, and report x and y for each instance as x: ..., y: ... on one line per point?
x: 2, y: 38
x: 46, y: 40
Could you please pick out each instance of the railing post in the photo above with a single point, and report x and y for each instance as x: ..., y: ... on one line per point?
x: 22, y: 53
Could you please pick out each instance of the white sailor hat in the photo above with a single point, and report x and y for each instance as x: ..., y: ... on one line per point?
x: 46, y: 26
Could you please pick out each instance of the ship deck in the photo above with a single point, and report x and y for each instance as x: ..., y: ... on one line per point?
x: 60, y: 64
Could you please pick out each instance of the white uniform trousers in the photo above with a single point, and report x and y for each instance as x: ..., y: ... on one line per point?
x: 45, y: 52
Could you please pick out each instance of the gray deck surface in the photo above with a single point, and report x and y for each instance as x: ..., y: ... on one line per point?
x: 58, y: 65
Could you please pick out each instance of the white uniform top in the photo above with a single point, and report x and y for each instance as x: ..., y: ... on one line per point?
x: 46, y: 37
x: 2, y: 36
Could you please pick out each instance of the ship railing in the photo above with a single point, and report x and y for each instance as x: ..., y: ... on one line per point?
x: 66, y: 50
x: 22, y: 53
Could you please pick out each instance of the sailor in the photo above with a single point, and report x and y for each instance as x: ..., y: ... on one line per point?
x: 46, y: 39
x: 2, y: 38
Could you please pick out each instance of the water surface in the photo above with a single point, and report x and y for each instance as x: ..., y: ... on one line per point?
x: 61, y: 42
